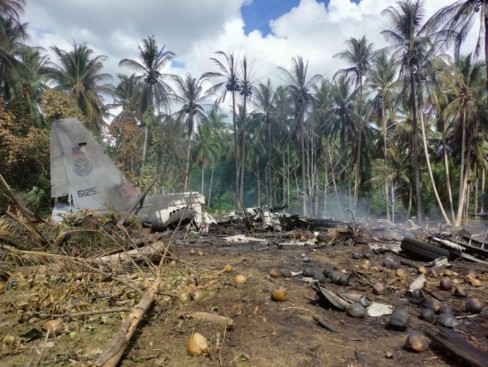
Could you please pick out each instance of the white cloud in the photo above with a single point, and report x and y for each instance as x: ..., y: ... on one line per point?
x: 196, y: 29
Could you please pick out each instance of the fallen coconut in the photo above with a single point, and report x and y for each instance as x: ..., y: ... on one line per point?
x: 274, y: 273
x: 417, y: 341
x: 401, y: 273
x: 197, y: 295
x: 446, y: 319
x: 399, y: 319
x: 54, y: 327
x: 240, y: 279
x: 428, y: 315
x: 286, y: 273
x: 459, y: 292
x: 200, y: 253
x: 197, y: 345
x: 228, y: 269
x: 379, y: 289
x: 356, y: 310
x: 445, y: 284
x: 474, y: 305
x: 422, y: 270
x: 432, y: 304
x: 278, y: 294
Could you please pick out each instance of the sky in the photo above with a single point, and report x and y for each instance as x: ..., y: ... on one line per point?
x: 269, y: 32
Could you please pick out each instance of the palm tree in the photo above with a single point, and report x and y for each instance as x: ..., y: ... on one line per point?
x: 456, y: 21
x: 358, y: 55
x: 300, y: 91
x: 229, y: 74
x: 245, y: 92
x: 11, y: 46
x: 190, y: 95
x: 382, y: 81
x: 263, y: 101
x: 78, y: 74
x: 32, y: 80
x: 467, y: 111
x: 11, y: 8
x: 156, y: 93
x: 410, y: 41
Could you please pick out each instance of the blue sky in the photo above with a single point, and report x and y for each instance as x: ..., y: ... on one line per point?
x: 258, y: 13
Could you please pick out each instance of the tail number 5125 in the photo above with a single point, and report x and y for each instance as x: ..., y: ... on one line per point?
x: 87, y: 192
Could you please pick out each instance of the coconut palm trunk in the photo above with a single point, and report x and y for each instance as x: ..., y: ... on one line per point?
x: 427, y: 159
x: 415, y: 143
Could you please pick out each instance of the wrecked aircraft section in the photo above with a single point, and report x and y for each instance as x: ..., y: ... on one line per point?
x: 83, y: 177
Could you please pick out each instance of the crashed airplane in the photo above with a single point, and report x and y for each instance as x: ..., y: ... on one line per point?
x: 84, y: 177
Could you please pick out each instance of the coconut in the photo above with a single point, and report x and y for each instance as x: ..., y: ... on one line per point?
x: 446, y: 320
x: 445, y: 309
x: 200, y: 253
x: 197, y: 345
x: 192, y: 252
x: 54, y: 327
x: 228, y: 268
x: 356, y: 310
x: 417, y: 341
x: 428, y: 315
x: 432, y: 304
x: 401, y: 273
x: 474, y: 305
x: 447, y: 273
x: 240, y: 279
x: 445, y: 284
x: 285, y: 273
x: 422, y: 270
x: 460, y: 292
x: 379, y: 289
x: 274, y: 273
x: 365, y: 264
x: 474, y: 282
x: 278, y: 294
x: 197, y: 295
x: 399, y: 319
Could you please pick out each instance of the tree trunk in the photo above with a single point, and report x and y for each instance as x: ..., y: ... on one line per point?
x: 427, y: 159
x: 415, y: 144
x: 203, y: 178
x: 463, y: 171
x: 211, y: 183
x: 448, y: 175
x: 385, y: 157
x: 188, y: 152
x: 259, y: 188
x: 236, y: 157
x: 302, y: 151
x: 243, y: 152
x: 357, y: 175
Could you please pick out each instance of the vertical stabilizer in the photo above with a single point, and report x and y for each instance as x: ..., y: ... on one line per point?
x: 80, y: 167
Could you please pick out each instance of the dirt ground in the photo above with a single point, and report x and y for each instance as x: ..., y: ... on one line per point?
x: 264, y: 332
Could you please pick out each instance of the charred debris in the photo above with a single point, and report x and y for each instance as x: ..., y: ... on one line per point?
x: 58, y: 277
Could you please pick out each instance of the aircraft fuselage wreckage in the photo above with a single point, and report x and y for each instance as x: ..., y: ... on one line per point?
x: 84, y: 177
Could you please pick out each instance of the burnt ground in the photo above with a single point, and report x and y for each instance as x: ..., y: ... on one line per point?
x: 264, y: 333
